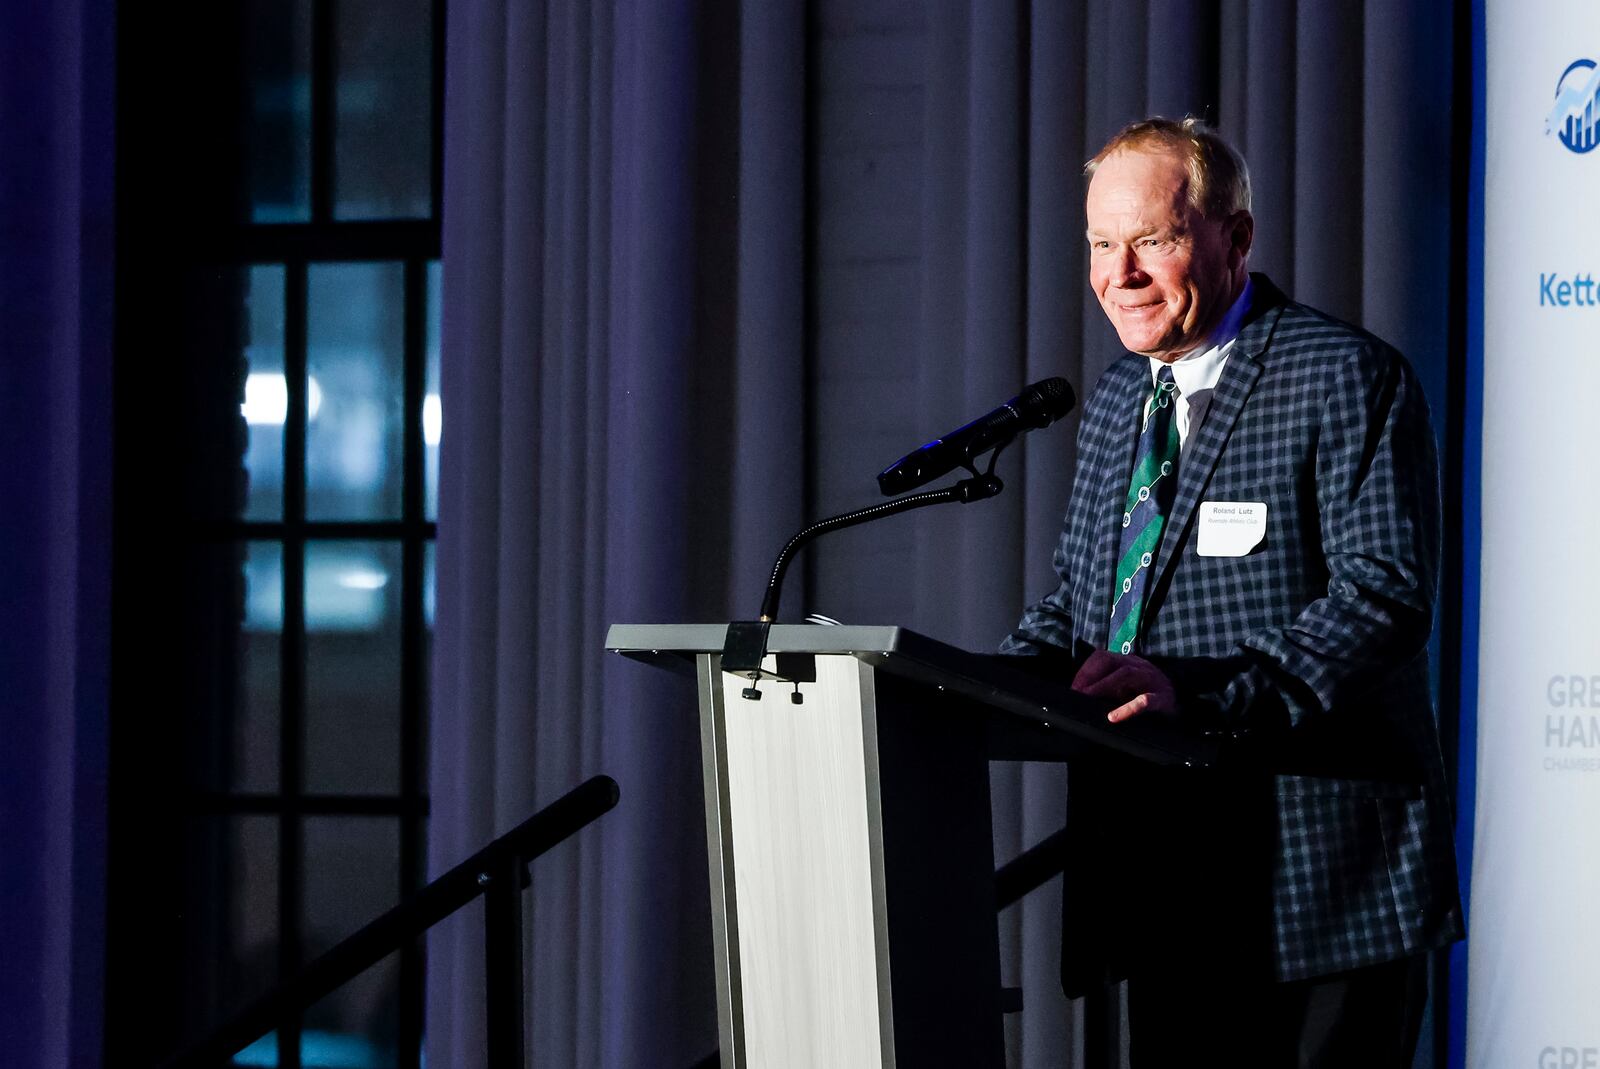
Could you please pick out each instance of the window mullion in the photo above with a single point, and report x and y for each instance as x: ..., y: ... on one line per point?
x: 413, y: 863
x: 291, y: 886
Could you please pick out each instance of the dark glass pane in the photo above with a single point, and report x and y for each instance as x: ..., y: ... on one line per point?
x: 257, y: 744
x: 253, y: 900
x: 216, y: 584
x: 432, y: 412
x: 352, y: 728
x: 430, y: 570
x: 358, y: 1026
x: 278, y: 137
x: 266, y: 395
x: 232, y: 911
x: 383, y: 144
x: 354, y: 391
x: 352, y: 875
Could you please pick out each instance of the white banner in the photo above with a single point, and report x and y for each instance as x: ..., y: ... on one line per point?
x: 1534, y: 952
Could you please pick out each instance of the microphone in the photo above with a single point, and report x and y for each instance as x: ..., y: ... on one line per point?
x: 1038, y: 406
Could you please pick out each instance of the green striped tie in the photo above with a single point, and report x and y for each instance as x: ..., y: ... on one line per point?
x: 1150, y: 495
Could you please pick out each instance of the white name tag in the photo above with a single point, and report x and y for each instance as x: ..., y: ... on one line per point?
x: 1231, y: 528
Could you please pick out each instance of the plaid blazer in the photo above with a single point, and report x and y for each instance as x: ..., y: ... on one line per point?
x: 1311, y: 648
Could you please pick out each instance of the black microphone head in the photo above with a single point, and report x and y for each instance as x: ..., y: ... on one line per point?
x: 1037, y: 406
x: 1045, y: 401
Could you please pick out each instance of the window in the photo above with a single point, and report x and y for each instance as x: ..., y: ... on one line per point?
x: 286, y: 805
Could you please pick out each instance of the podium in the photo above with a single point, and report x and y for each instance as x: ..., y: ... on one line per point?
x: 849, y: 835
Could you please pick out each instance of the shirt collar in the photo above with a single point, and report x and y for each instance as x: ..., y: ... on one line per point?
x: 1201, y: 368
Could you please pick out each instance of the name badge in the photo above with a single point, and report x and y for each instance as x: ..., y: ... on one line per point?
x: 1231, y: 528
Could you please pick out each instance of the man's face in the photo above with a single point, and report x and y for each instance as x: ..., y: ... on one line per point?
x: 1164, y: 274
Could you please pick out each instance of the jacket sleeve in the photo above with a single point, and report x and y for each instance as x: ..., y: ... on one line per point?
x: 1047, y: 627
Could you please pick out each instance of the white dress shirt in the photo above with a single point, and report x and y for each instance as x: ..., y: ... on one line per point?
x: 1196, y: 373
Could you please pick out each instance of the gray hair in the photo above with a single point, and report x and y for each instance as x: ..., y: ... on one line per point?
x: 1219, y: 181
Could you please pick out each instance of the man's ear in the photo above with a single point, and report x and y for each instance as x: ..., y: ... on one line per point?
x: 1241, y: 235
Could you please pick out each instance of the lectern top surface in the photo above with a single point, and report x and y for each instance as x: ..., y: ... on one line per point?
x: 785, y: 638
x: 1028, y: 705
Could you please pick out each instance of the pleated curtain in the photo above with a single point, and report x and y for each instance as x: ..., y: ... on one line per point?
x: 646, y: 388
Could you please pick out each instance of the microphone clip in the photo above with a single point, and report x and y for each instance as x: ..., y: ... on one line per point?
x: 984, y: 486
x: 744, y: 652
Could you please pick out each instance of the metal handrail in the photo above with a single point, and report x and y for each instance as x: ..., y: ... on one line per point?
x: 499, y: 872
x: 1030, y: 869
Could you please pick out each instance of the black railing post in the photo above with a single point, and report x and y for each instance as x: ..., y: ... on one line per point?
x: 502, y: 885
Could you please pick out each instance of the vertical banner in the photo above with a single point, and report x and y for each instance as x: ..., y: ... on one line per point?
x: 1534, y: 955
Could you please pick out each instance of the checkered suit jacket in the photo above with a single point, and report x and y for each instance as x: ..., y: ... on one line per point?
x: 1311, y: 648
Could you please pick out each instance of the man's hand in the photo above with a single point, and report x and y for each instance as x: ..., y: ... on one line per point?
x: 1138, y: 684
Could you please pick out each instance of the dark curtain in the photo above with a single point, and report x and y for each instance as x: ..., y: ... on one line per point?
x: 55, y: 464
x: 644, y: 392
x: 608, y: 460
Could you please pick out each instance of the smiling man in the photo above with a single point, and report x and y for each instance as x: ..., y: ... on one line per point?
x: 1250, y: 553
x: 1165, y: 262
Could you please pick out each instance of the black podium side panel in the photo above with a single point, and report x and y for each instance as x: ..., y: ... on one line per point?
x: 938, y: 854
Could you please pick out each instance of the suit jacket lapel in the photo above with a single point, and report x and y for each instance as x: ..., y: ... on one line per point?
x: 1199, y: 460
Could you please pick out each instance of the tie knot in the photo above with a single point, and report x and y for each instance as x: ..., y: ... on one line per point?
x: 1165, y: 394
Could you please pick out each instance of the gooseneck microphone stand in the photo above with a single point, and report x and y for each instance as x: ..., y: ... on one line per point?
x: 746, y: 645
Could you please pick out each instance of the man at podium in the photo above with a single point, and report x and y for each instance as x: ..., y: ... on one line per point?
x: 1250, y: 551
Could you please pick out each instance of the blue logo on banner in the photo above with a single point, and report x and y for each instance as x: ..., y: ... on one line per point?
x: 1575, y: 119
